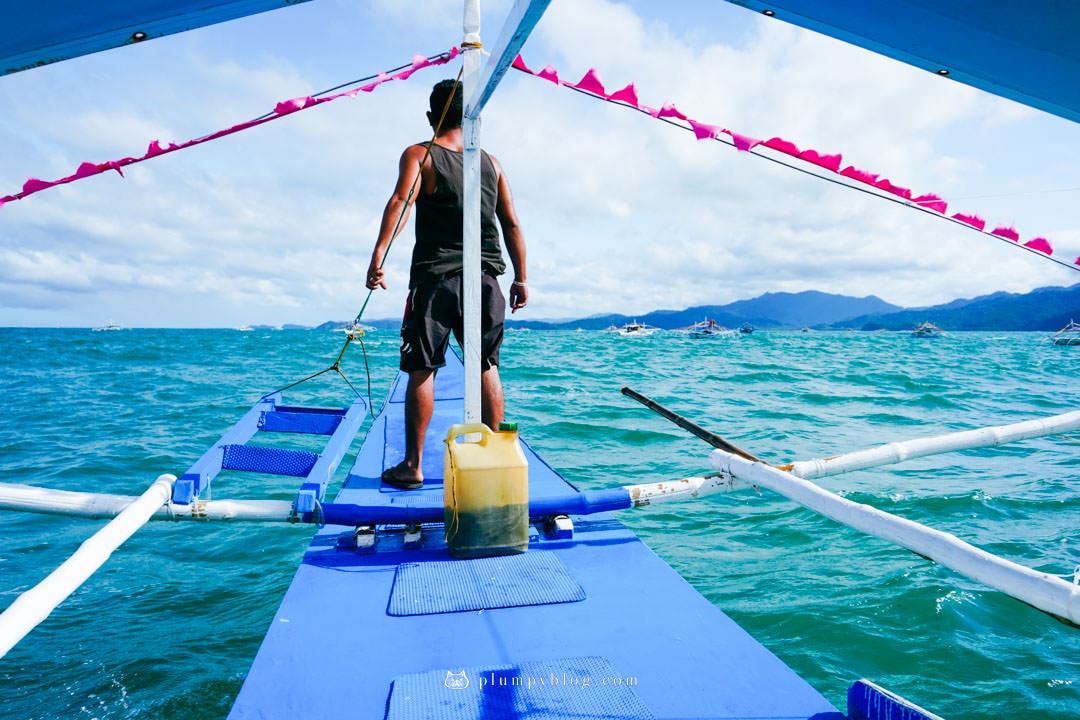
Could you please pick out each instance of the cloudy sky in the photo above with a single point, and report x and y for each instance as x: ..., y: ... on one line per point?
x: 622, y: 213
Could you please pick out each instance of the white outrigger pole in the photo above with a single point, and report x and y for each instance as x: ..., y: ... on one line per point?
x: 34, y: 605
x: 1044, y: 591
x: 477, y: 87
x: 895, y: 452
x: 98, y: 506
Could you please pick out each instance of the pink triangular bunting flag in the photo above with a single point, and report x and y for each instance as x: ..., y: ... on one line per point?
x: 1006, y: 232
x: 861, y: 175
x: 379, y: 80
x: 87, y: 169
x: 519, y: 64
x: 744, y: 142
x: 627, y: 95
x: 32, y: 185
x: 888, y: 186
x: 973, y: 220
x: 290, y: 106
x: 829, y: 162
x: 591, y: 83
x: 703, y: 131
x: 782, y: 145
x: 670, y: 110
x: 1041, y: 244
x: 931, y: 201
x: 550, y: 74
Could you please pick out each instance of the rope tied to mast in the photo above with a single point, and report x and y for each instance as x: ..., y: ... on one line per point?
x: 355, y: 331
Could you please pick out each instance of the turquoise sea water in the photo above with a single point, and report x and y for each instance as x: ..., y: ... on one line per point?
x: 169, y: 626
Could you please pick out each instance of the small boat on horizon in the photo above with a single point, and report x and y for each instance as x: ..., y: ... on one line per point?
x: 927, y: 329
x: 1068, y: 335
x: 357, y: 329
x: 636, y: 329
x: 709, y: 328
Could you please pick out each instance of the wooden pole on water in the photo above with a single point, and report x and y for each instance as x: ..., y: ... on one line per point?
x: 713, y: 439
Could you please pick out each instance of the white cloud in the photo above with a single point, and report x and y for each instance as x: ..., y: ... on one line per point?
x: 622, y: 213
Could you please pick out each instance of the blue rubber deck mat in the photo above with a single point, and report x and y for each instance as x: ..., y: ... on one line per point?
x: 531, y: 578
x: 562, y: 689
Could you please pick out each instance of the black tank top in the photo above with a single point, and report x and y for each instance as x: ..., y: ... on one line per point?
x: 437, y: 252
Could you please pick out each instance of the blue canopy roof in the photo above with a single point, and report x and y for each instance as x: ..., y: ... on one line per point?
x: 1027, y: 51
x: 46, y: 31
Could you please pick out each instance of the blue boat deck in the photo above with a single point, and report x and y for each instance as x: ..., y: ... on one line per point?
x: 595, y: 625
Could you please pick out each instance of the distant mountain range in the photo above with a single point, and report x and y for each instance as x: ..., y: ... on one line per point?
x: 771, y: 310
x: 1044, y: 309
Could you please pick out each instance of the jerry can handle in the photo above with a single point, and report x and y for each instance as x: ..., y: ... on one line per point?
x: 456, y: 431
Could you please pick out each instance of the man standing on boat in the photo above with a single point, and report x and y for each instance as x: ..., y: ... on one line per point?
x: 432, y: 176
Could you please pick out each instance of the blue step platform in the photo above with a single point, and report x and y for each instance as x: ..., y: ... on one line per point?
x: 269, y: 416
x: 380, y: 622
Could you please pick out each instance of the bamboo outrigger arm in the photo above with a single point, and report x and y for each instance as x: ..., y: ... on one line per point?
x: 895, y: 452
x: 34, y: 605
x: 737, y: 469
x: 1044, y: 591
x: 97, y: 506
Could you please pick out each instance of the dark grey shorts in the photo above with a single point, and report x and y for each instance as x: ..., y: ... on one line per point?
x: 434, y: 310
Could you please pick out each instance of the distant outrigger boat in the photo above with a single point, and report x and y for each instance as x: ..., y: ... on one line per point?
x: 927, y: 330
x: 108, y: 327
x: 1068, y: 335
x: 746, y: 328
x: 709, y: 329
x: 357, y: 329
x: 636, y: 329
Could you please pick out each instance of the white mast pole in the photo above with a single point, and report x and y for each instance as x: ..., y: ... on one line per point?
x: 477, y: 88
x: 470, y: 127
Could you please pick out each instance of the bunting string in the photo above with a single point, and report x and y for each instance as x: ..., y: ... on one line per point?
x: 286, y: 107
x: 593, y: 86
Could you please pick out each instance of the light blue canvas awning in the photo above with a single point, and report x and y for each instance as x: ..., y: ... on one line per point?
x: 1027, y: 51
x: 39, y: 32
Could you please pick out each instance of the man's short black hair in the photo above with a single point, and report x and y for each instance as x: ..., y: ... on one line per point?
x: 439, y: 95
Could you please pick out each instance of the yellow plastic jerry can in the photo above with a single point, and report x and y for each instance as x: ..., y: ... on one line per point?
x: 485, y: 492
